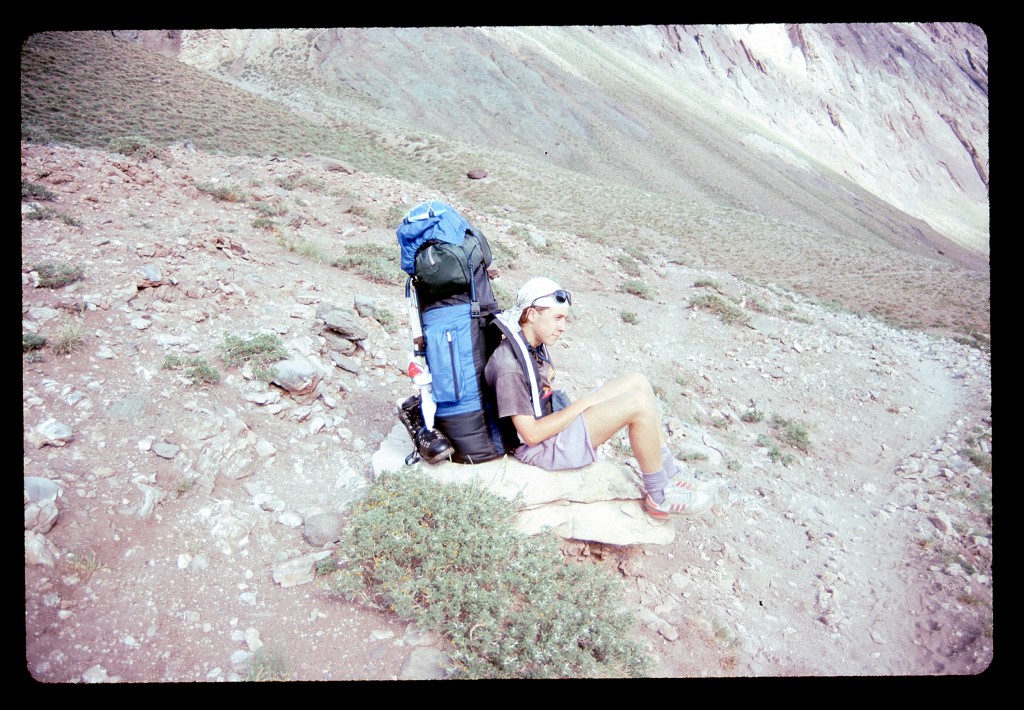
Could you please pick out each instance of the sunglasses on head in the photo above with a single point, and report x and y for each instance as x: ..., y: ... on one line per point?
x: 561, y: 296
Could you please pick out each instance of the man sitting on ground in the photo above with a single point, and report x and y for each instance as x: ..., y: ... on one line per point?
x: 556, y: 438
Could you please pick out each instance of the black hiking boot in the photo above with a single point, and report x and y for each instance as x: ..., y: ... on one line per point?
x: 430, y: 445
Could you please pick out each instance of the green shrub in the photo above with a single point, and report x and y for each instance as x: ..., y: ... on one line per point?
x: 388, y: 319
x: 309, y: 182
x: 261, y: 351
x: 265, y: 224
x: 40, y: 212
x: 694, y: 456
x: 637, y: 288
x: 728, y: 312
x: 31, y: 191
x: 707, y: 283
x: 629, y: 317
x: 793, y: 433
x: 31, y: 341
x: 449, y: 557
x: 224, y: 193
x: 197, y: 369
x: 133, y: 146
x: 274, y: 207
x: 58, y: 275
x: 752, y: 416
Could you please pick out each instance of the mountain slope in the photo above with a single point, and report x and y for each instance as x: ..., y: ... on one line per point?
x: 710, y: 196
x: 900, y: 110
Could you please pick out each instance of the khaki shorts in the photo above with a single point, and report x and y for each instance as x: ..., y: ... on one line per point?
x: 569, y: 448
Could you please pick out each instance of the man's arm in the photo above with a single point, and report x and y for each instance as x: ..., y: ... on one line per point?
x: 533, y: 431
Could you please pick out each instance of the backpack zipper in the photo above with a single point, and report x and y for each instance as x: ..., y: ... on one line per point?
x: 455, y: 372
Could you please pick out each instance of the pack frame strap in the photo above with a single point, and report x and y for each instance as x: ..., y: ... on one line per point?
x: 415, y: 319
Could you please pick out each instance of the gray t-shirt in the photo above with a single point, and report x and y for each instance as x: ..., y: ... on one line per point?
x: 512, y: 390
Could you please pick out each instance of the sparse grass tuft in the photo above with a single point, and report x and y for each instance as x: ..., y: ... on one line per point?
x: 752, y: 416
x: 629, y: 265
x: 377, y: 263
x: 269, y: 663
x: 300, y: 246
x: 637, y: 253
x: 505, y: 298
x: 394, y: 216
x: 450, y: 558
x: 83, y: 563
x: 978, y: 458
x: 184, y: 484
x: 776, y: 454
x: 69, y: 339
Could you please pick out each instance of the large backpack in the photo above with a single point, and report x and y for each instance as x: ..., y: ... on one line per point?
x: 451, y: 296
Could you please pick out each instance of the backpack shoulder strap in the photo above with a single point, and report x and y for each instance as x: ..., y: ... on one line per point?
x: 525, y: 361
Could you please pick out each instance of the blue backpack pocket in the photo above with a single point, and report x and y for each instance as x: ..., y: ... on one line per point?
x: 449, y: 351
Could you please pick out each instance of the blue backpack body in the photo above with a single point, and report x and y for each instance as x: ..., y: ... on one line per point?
x: 447, y: 261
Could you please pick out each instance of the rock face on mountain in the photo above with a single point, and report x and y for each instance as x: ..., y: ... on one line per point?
x: 899, y: 111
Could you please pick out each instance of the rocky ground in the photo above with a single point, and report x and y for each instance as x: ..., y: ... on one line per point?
x: 178, y: 548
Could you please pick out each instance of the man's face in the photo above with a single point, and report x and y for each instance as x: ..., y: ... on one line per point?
x: 550, y: 323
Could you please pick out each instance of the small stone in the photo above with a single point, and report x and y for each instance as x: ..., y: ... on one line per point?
x: 165, y: 450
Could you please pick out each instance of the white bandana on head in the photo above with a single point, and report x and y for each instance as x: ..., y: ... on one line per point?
x: 535, y: 292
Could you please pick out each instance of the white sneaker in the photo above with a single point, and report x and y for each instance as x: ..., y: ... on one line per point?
x: 678, y: 501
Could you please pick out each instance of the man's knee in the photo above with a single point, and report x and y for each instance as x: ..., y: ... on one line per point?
x: 639, y: 383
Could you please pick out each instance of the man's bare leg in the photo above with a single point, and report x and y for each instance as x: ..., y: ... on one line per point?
x: 628, y: 401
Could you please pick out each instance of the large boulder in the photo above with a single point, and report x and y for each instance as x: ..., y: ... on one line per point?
x: 597, y: 503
